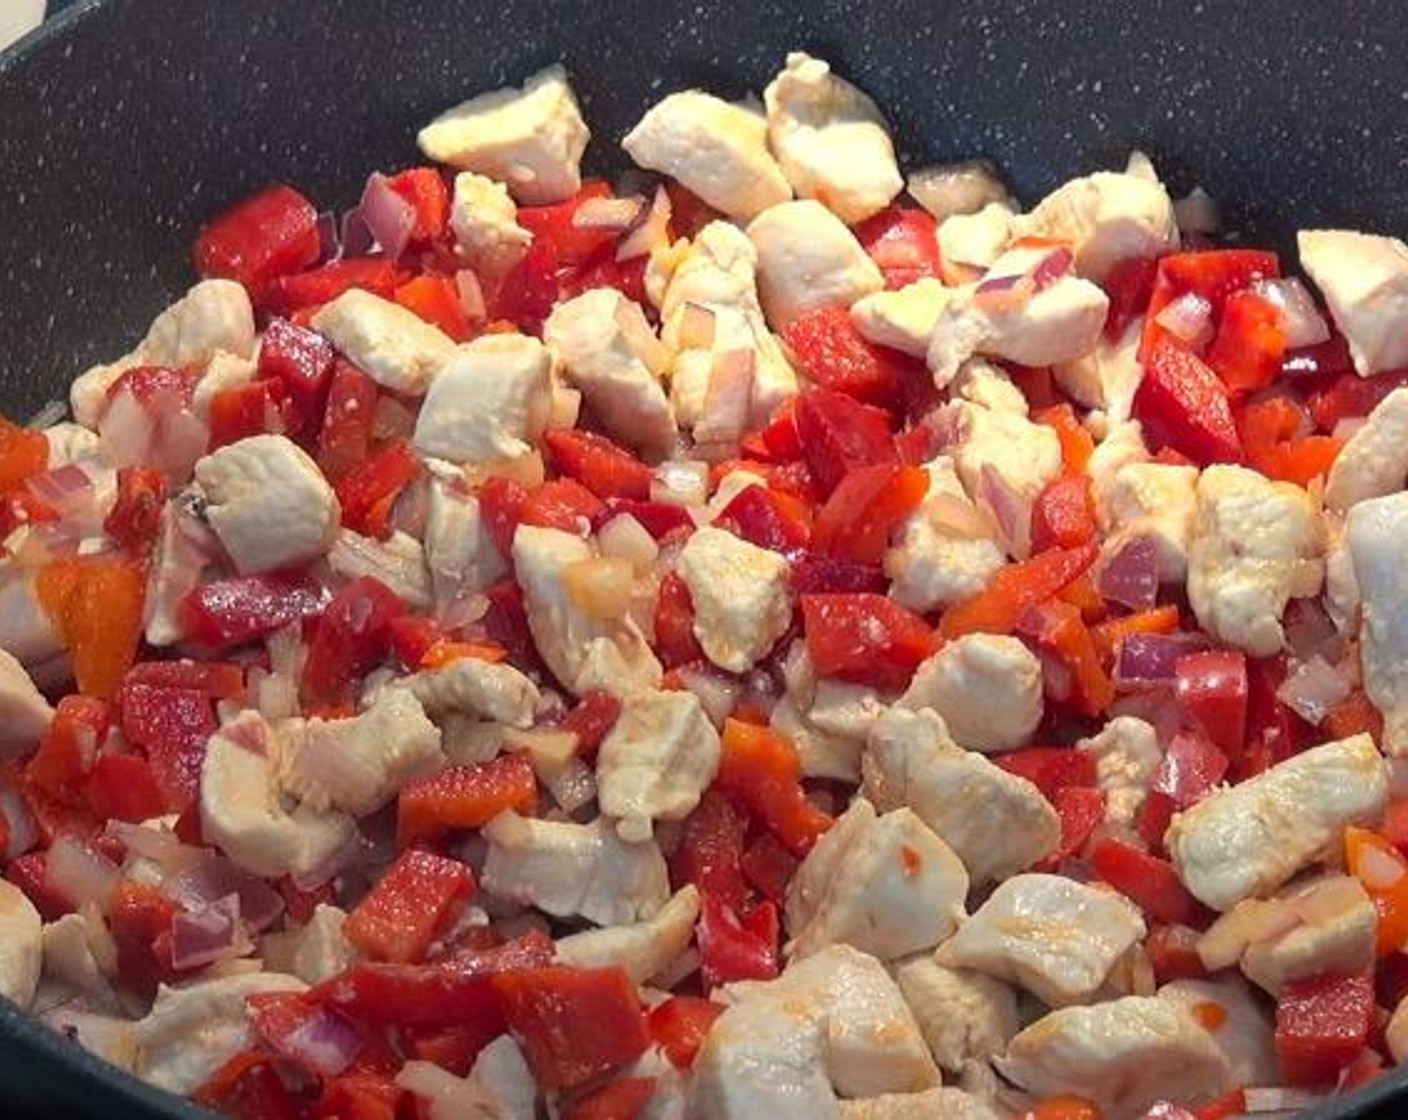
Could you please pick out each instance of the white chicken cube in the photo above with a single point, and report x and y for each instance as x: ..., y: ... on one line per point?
x: 242, y: 810
x: 1256, y: 544
x: 893, y: 889
x: 574, y: 870
x: 1248, y: 839
x: 1158, y: 501
x: 485, y: 223
x: 980, y: 382
x: 808, y: 259
x: 1332, y: 929
x: 1364, y: 279
x: 987, y: 688
x: 742, y: 597
x: 1023, y: 456
x: 321, y: 949
x: 965, y: 1016
x: 395, y: 347
x: 644, y: 949
x: 1374, y: 461
x: 903, y: 319
x: 489, y: 403
x: 359, y: 764
x: 1121, y: 444
x: 1108, y: 217
x: 21, y: 945
x: 969, y: 244
x: 1108, y: 376
x: 268, y: 503
x: 831, y: 140
x: 997, y: 823
x: 605, y: 344
x: 1376, y: 533
x: 1056, y: 938
x: 459, y: 551
x: 583, y: 652
x: 822, y: 754
x: 470, y: 686
x: 24, y: 713
x: 656, y: 761
x: 1230, y: 1011
x: 940, y: 556
x: 68, y: 945
x: 715, y: 149
x: 932, y: 1104
x: 530, y: 139
x: 1127, y: 756
x: 1123, y: 1055
x: 192, y: 1031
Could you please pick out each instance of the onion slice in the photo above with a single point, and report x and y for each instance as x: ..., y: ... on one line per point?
x: 1300, y: 318
x: 389, y: 218
x: 1189, y: 319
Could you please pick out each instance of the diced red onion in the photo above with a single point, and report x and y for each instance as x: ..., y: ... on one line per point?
x: 1057, y: 681
x: 64, y: 489
x: 1310, y: 631
x: 329, y: 243
x: 681, y: 482
x: 649, y: 231
x: 1188, y: 318
x: 1312, y: 688
x: 392, y: 419
x: 156, y: 844
x: 640, y: 338
x: 728, y: 397
x: 21, y: 832
x: 179, y: 440
x: 956, y: 188
x: 608, y: 213
x: 208, y: 934
x: 1130, y: 576
x: 1011, y: 513
x: 357, y: 238
x: 125, y: 432
x: 411, y: 509
x: 1300, y: 318
x: 471, y: 294
x: 216, y: 877
x: 389, y: 218
x: 1279, y: 1099
x: 718, y: 695
x: 79, y: 875
x: 1150, y: 659
x: 353, y: 556
x: 324, y: 1043
x: 1052, y: 267
x: 625, y: 537
x: 1004, y: 293
x: 48, y: 541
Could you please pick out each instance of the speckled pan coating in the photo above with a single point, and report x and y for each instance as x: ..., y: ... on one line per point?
x: 126, y: 124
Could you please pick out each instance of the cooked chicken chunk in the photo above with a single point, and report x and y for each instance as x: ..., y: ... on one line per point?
x: 965, y: 1016
x: 986, y: 687
x: 1376, y: 533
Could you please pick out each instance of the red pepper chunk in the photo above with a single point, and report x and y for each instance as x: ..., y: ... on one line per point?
x: 1014, y: 589
x: 302, y: 362
x: 1080, y: 808
x: 1173, y: 953
x: 903, y: 242
x: 760, y: 770
x: 679, y: 1026
x: 244, y: 411
x: 1190, y: 769
x: 840, y: 434
x: 1383, y: 871
x: 69, y: 748
x: 767, y: 519
x: 1274, y: 432
x: 23, y: 453
x: 267, y: 234
x: 1150, y: 883
x: 1129, y: 285
x: 136, y: 515
x: 1213, y: 275
x: 436, y: 299
x: 288, y: 295
x: 139, y: 917
x: 172, y: 726
x: 869, y: 504
x: 833, y: 354
x: 1050, y: 769
x: 710, y: 850
x: 865, y: 638
x: 553, y: 225
x: 221, y: 680
x: 1184, y: 405
x: 561, y: 503
x: 573, y: 1023
x: 123, y: 787
x: 733, y: 948
x: 616, y: 1100
x: 352, y: 636
x: 247, y: 1087
x: 231, y: 612
x: 368, y: 492
x: 1322, y: 1023
x: 1212, y: 690
x: 675, y: 640
x: 1063, y: 515
x: 424, y: 188
x: 607, y: 470
x: 1247, y: 350
x: 591, y: 721
x: 347, y: 421
x: 415, y: 902
x: 463, y: 797
x: 96, y: 604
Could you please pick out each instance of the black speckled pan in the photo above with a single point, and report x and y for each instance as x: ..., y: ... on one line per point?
x: 123, y: 124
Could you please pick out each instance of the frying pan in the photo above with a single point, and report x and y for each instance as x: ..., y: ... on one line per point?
x: 124, y: 123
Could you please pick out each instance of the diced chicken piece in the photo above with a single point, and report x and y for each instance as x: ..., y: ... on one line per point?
x: 888, y: 886
x: 70, y: 442
x: 404, y: 555
x: 822, y: 754
x: 225, y: 371
x: 844, y: 708
x: 21, y: 945
x: 1377, y: 535
x: 460, y: 553
x: 1248, y: 839
x: 321, y: 949
x: 1364, y: 279
x: 1122, y: 444
x: 530, y: 139
x: 268, y: 503
x: 1107, y: 377
x: 940, y: 555
x: 1123, y: 1055
x: 997, y: 823
x: 1374, y: 462
x: 1127, y: 756
x: 986, y: 687
x: 358, y: 765
x: 583, y: 652
x: 242, y: 812
x: 1256, y: 544
x: 742, y: 597
x: 715, y: 149
x: 831, y: 140
x: 1229, y: 1011
x: 469, y: 686
x: 1396, y: 1033
x: 808, y: 259
x: 965, y: 1016
x: 1005, y: 460
x: 1056, y: 938
x: 24, y: 713
x: 485, y: 222
x: 1108, y: 217
x: 571, y: 870
x: 903, y: 319
x: 191, y: 1032
x: 1158, y: 501
x: 69, y: 958
x: 107, y: 1037
x: 607, y: 348
x: 26, y: 632
x: 395, y: 347
x: 1341, y: 598
x: 656, y: 761
x: 644, y: 949
x: 931, y: 1104
x: 981, y: 383
x: 489, y: 403
x: 969, y: 244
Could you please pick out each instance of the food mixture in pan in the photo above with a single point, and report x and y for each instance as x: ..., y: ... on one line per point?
x: 769, y: 639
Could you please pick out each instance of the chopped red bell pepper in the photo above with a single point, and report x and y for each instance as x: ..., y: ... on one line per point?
x: 573, y: 1023
x: 1130, y: 285
x: 507, y: 624
x: 369, y: 491
x: 832, y: 353
x: 760, y: 770
x: 768, y: 519
x: 436, y: 299
x: 904, y: 242
x: 1051, y: 769
x: 361, y: 1095
x: 291, y: 294
x: 1066, y: 1106
x: 148, y: 384
x: 1015, y: 589
x: 222, y: 680
x: 675, y: 640
x: 69, y: 748
x: 561, y: 503
x: 1212, y: 691
x: 1063, y: 515
x: 352, y: 636
x: 822, y: 575
x: 22, y: 508
x: 96, y: 604
x: 1213, y: 275
x: 230, y: 612
x: 1149, y: 882
x: 425, y: 189
x: 247, y: 1087
x: 139, y: 918
x: 733, y: 948
x: 171, y: 725
x: 777, y: 441
x: 865, y: 508
x: 710, y: 851
x: 603, y: 467
x: 839, y: 434
x: 603, y: 270
x: 302, y: 362
x: 123, y: 787
x: 1247, y: 350
x: 1191, y: 768
x: 346, y: 431
x: 463, y: 797
x: 271, y: 232
x: 525, y: 295
x: 1274, y: 432
x: 1183, y: 404
x: 616, y: 1100
x: 23, y: 454
x: 1322, y: 1023
x: 868, y: 639
x: 285, y: 1021
x: 501, y: 502
x: 660, y: 519
x: 591, y: 721
x: 768, y: 867
x: 1353, y: 715
x: 29, y: 872
x: 452, y: 1048
x: 244, y: 411
x: 1080, y: 808
x: 415, y: 902
x: 679, y: 1026
x: 1077, y: 444
x: 136, y: 514
x: 1173, y: 953
x: 573, y: 244
x: 1383, y: 871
